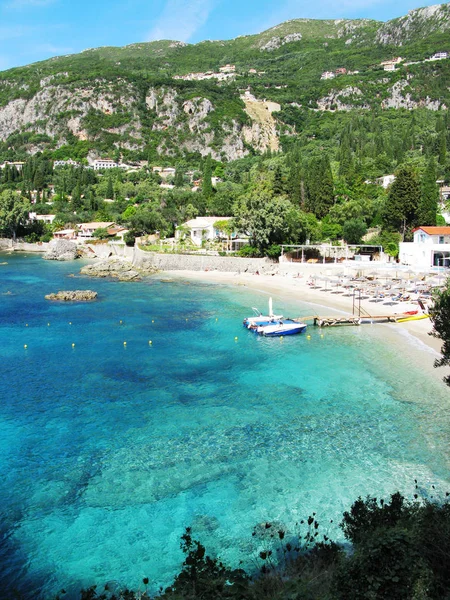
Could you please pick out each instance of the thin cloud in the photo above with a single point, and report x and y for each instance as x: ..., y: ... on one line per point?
x: 181, y: 19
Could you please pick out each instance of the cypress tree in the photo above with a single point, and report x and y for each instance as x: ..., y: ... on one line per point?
x: 110, y: 189
x: 278, y: 184
x: 207, y: 188
x: 442, y: 148
x: 320, y: 187
x: 400, y: 211
x: 429, y: 199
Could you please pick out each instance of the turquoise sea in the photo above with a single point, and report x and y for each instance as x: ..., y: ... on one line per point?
x: 108, y: 451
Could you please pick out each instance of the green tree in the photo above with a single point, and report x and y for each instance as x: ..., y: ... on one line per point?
x: 14, y: 211
x: 442, y: 150
x: 320, y: 186
x: 264, y: 217
x: 179, y: 178
x: 353, y: 231
x: 400, y: 210
x: 110, y: 189
x: 207, y: 188
x: 440, y: 317
x: 429, y: 199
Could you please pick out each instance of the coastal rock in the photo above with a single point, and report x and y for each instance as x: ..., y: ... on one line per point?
x: 73, y: 296
x: 120, y: 269
x: 61, y: 250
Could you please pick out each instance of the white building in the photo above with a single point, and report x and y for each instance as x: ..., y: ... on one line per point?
x: 66, y: 163
x: 430, y: 248
x: 385, y: 181
x: 439, y: 56
x: 45, y: 218
x: 389, y: 65
x: 228, y: 69
x: 18, y: 165
x: 86, y: 230
x: 201, y: 229
x: 104, y: 163
x: 328, y: 75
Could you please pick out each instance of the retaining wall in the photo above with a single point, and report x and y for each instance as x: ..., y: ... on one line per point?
x: 7, y: 244
x: 193, y: 262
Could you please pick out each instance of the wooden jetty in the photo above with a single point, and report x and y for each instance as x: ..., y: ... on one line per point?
x: 335, y: 321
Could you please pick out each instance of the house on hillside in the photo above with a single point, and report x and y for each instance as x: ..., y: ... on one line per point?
x: 66, y: 163
x: 328, y: 75
x: 44, y: 218
x: 104, y: 163
x: 228, y: 69
x: 341, y: 71
x: 389, y: 65
x: 444, y: 191
x: 17, y: 164
x: 200, y: 229
x: 65, y: 234
x: 86, y: 230
x: 430, y: 248
x: 385, y: 181
x: 439, y: 56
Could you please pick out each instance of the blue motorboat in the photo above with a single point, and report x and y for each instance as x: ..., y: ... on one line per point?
x: 281, y: 328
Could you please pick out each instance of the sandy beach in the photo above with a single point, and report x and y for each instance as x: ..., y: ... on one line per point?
x: 324, y: 303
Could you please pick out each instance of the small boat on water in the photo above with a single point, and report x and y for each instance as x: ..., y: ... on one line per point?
x: 282, y: 328
x: 273, y: 325
x: 258, y: 319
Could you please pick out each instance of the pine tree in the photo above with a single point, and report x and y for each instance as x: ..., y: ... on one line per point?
x: 207, y: 188
x: 400, y: 211
x: 428, y: 205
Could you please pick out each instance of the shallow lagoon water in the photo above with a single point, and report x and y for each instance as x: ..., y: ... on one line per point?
x: 109, y: 451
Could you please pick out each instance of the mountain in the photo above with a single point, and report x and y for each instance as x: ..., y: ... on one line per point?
x: 150, y: 99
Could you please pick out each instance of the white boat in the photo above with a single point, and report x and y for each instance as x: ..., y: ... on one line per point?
x: 259, y: 319
x: 283, y: 327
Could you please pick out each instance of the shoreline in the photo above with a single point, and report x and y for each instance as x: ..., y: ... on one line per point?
x: 296, y: 289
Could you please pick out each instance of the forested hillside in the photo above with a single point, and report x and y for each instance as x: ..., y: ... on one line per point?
x: 301, y: 152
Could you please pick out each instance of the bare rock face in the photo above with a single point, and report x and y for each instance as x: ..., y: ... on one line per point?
x: 73, y: 296
x: 62, y: 250
x: 120, y: 269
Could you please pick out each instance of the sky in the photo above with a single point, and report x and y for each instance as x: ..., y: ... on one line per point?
x: 33, y: 30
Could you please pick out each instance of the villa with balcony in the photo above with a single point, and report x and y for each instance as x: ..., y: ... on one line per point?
x: 430, y: 248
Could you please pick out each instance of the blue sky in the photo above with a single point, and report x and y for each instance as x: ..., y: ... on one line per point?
x: 32, y: 30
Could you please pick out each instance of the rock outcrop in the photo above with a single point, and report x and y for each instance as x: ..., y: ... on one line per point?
x: 119, y: 269
x: 62, y: 250
x: 73, y: 296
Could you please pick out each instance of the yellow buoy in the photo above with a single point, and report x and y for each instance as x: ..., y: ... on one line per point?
x: 73, y: 345
x: 308, y: 337
x: 70, y: 322
x: 48, y: 324
x: 124, y: 343
x: 186, y: 319
x: 236, y: 339
x: 26, y: 325
x: 154, y: 321
x: 120, y: 322
x: 25, y: 346
x: 150, y: 342
x: 217, y: 319
x: 281, y: 337
x: 321, y: 335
